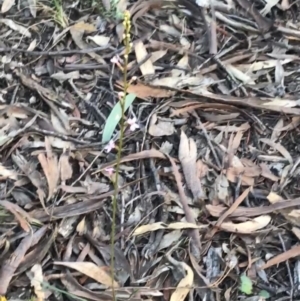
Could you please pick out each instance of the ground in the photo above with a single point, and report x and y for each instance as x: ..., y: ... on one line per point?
x: 149, y: 150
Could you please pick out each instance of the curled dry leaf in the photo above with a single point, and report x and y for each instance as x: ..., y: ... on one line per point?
x: 247, y: 227
x: 160, y: 225
x: 184, y: 285
x: 91, y: 270
x: 187, y: 156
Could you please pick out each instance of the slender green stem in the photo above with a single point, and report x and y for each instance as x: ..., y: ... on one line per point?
x: 122, y: 129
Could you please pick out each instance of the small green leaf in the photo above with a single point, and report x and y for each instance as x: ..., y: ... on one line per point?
x: 115, y: 117
x: 264, y: 294
x: 246, y: 285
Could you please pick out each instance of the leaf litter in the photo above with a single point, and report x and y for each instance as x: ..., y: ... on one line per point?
x: 208, y: 199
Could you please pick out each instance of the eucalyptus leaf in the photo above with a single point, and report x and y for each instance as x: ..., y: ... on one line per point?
x: 115, y: 117
x: 246, y: 285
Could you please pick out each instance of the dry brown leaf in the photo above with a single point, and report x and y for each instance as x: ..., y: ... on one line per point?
x: 232, y: 176
x: 20, y: 214
x: 294, y: 252
x: 281, y: 149
x: 7, y: 5
x: 160, y: 128
x: 141, y: 53
x: 247, y: 227
x: 91, y: 270
x: 50, y: 168
x: 160, y: 225
x: 152, y: 153
x: 66, y: 170
x: 184, y: 285
x: 187, y: 155
x: 144, y: 91
x: 37, y: 281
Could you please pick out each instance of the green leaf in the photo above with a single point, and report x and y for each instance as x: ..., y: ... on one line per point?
x: 246, y: 285
x: 115, y: 117
x: 264, y: 294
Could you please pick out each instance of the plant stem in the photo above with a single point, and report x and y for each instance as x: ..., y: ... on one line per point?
x: 122, y: 130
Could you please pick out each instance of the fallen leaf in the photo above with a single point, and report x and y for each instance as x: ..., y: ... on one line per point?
x: 143, y: 91
x: 50, y: 168
x: 160, y: 128
x: 16, y: 27
x: 281, y: 149
x: 184, y: 285
x: 141, y: 53
x: 7, y: 173
x: 238, y: 74
x: 247, y: 227
x: 91, y: 270
x: 100, y: 40
x: 188, y: 155
x: 32, y: 7
x: 37, y: 281
x: 66, y: 170
x: 160, y: 225
x: 9, y: 266
x: 292, y: 253
x: 7, y: 5
x: 61, y: 76
x: 169, y: 238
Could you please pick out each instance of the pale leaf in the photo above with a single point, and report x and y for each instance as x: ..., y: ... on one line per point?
x: 100, y: 40
x: 247, y: 227
x: 32, y: 7
x: 16, y: 27
x: 187, y: 156
x: 160, y: 225
x: 184, y: 285
x: 7, y: 5
x: 37, y: 281
x: 91, y: 270
x: 140, y: 53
